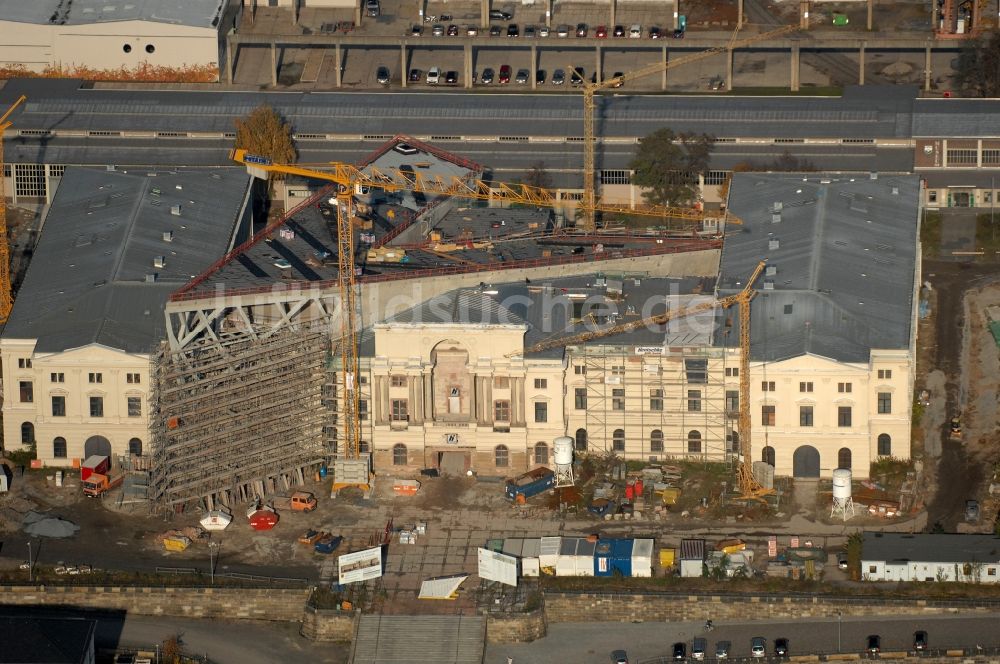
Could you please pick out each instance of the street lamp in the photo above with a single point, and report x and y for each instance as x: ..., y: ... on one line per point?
x: 30, y: 575
x: 839, y: 623
x: 213, y: 548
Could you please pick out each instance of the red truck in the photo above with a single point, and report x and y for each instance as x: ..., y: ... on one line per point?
x: 96, y: 464
x: 99, y: 483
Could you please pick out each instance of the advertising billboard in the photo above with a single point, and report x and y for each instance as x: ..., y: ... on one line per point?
x: 360, y: 565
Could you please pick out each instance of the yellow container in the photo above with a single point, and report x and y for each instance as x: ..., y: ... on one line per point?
x: 667, y: 557
x: 669, y: 495
x: 176, y: 543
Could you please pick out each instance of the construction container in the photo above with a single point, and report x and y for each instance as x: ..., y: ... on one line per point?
x: 642, y: 557
x: 176, y: 543
x: 263, y: 520
x: 525, y: 550
x: 613, y: 557
x: 576, y: 557
x: 668, y: 557
x: 94, y: 465
x: 405, y: 487
x: 548, y: 554
x: 730, y: 546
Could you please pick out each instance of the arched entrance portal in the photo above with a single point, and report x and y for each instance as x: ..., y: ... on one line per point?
x: 805, y: 462
x: 98, y: 445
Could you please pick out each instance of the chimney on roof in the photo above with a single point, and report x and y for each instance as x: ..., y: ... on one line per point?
x: 168, y: 236
x: 773, y: 244
x: 150, y: 278
x: 175, y: 210
x: 159, y: 261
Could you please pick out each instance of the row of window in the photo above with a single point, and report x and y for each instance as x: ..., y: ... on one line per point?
x: 59, y: 444
x: 133, y: 406
x: 844, y: 413
x: 399, y: 410
x: 27, y: 387
x: 499, y: 382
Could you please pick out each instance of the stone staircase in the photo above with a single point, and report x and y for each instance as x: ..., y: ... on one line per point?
x: 418, y: 639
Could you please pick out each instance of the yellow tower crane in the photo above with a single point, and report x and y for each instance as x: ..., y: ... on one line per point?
x: 6, y: 295
x: 590, y: 91
x: 355, y: 470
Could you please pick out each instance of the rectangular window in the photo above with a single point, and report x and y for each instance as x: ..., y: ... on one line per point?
x: 58, y: 406
x: 716, y: 177
x: 805, y: 416
x: 885, y: 374
x: 844, y: 388
x: 541, y: 383
x: 501, y: 410
x: 27, y: 391
x: 618, y: 399
x: 363, y: 410
x: 656, y: 399
x: 615, y: 176
x: 696, y: 371
x: 872, y: 569
x: 767, y: 416
x: 618, y: 370
x: 397, y: 381
x: 806, y: 387
x: 767, y: 386
x: 97, y: 406
x: 580, y: 369
x: 844, y: 416
x: 732, y: 402
x: 884, y: 403
x: 57, y: 377
x: 132, y: 378
x: 991, y: 571
x: 135, y: 406
x: 694, y: 401
x: 501, y: 382
x: 399, y: 410
x: 24, y: 363
x: 963, y: 156
x: 541, y: 411
x: 932, y: 195
x: 732, y: 371
x: 991, y: 157
x: 580, y: 398
x: 95, y: 378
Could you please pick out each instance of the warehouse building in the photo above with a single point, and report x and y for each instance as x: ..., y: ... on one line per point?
x: 930, y: 557
x: 75, y: 35
x: 76, y: 349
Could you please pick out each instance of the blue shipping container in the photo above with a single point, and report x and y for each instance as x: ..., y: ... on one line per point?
x: 602, y: 558
x: 613, y: 556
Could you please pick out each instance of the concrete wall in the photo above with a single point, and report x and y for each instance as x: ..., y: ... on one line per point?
x: 284, y: 605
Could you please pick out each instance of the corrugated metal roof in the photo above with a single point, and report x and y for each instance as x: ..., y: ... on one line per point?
x: 843, y: 255
x: 692, y: 549
x: 930, y: 547
x: 104, y: 233
x: 196, y: 13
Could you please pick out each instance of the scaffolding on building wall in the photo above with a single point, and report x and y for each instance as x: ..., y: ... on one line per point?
x: 234, y: 417
x: 675, y: 372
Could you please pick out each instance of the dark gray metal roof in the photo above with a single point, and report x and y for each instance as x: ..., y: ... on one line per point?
x: 197, y: 13
x: 34, y: 639
x: 87, y: 282
x: 844, y: 251
x: 956, y: 118
x: 546, y: 309
x: 931, y: 548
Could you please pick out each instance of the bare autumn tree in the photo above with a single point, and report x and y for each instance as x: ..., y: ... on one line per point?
x: 538, y: 176
x: 667, y: 165
x: 171, y: 649
x: 978, y: 70
x: 265, y: 133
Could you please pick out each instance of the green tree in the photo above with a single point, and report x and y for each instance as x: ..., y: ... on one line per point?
x: 667, y: 165
x: 264, y: 133
x: 538, y: 176
x: 978, y: 70
x: 854, y: 550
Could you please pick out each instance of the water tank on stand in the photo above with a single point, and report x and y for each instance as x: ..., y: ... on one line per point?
x: 564, y: 461
x: 843, y: 504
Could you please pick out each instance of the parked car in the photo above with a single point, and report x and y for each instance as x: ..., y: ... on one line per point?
x: 758, y: 647
x: 529, y: 31
x: 414, y: 76
x: 452, y: 30
x: 578, y: 77
x: 512, y: 30
x: 618, y: 84
x: 562, y: 31
x: 451, y: 78
x: 543, y: 31
x: 722, y: 649
x: 698, y: 648
x: 488, y: 75
x: 635, y: 32
x: 500, y: 15
x: 495, y: 31
x: 372, y: 7
x: 601, y: 32
x: 920, y: 640
x: 873, y: 644
x: 437, y: 30
x: 619, y: 657
x: 680, y: 651
x: 781, y: 647
x: 558, y: 77
x: 433, y: 76
x: 416, y: 31
x: 581, y: 29
x: 382, y: 75
x: 654, y: 33
x: 717, y: 83
x: 504, y: 74
x: 842, y: 560
x: 619, y: 31
x: 471, y: 31
x: 540, y: 76
x: 521, y: 77
x: 679, y: 33
x: 972, y: 511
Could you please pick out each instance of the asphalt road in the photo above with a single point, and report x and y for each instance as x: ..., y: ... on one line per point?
x: 587, y: 642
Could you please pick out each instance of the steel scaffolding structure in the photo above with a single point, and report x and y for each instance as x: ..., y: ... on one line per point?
x: 234, y: 416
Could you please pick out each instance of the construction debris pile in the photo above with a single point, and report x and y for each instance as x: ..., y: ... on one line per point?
x: 39, y: 525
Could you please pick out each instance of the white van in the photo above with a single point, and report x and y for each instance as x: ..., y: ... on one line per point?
x: 433, y: 75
